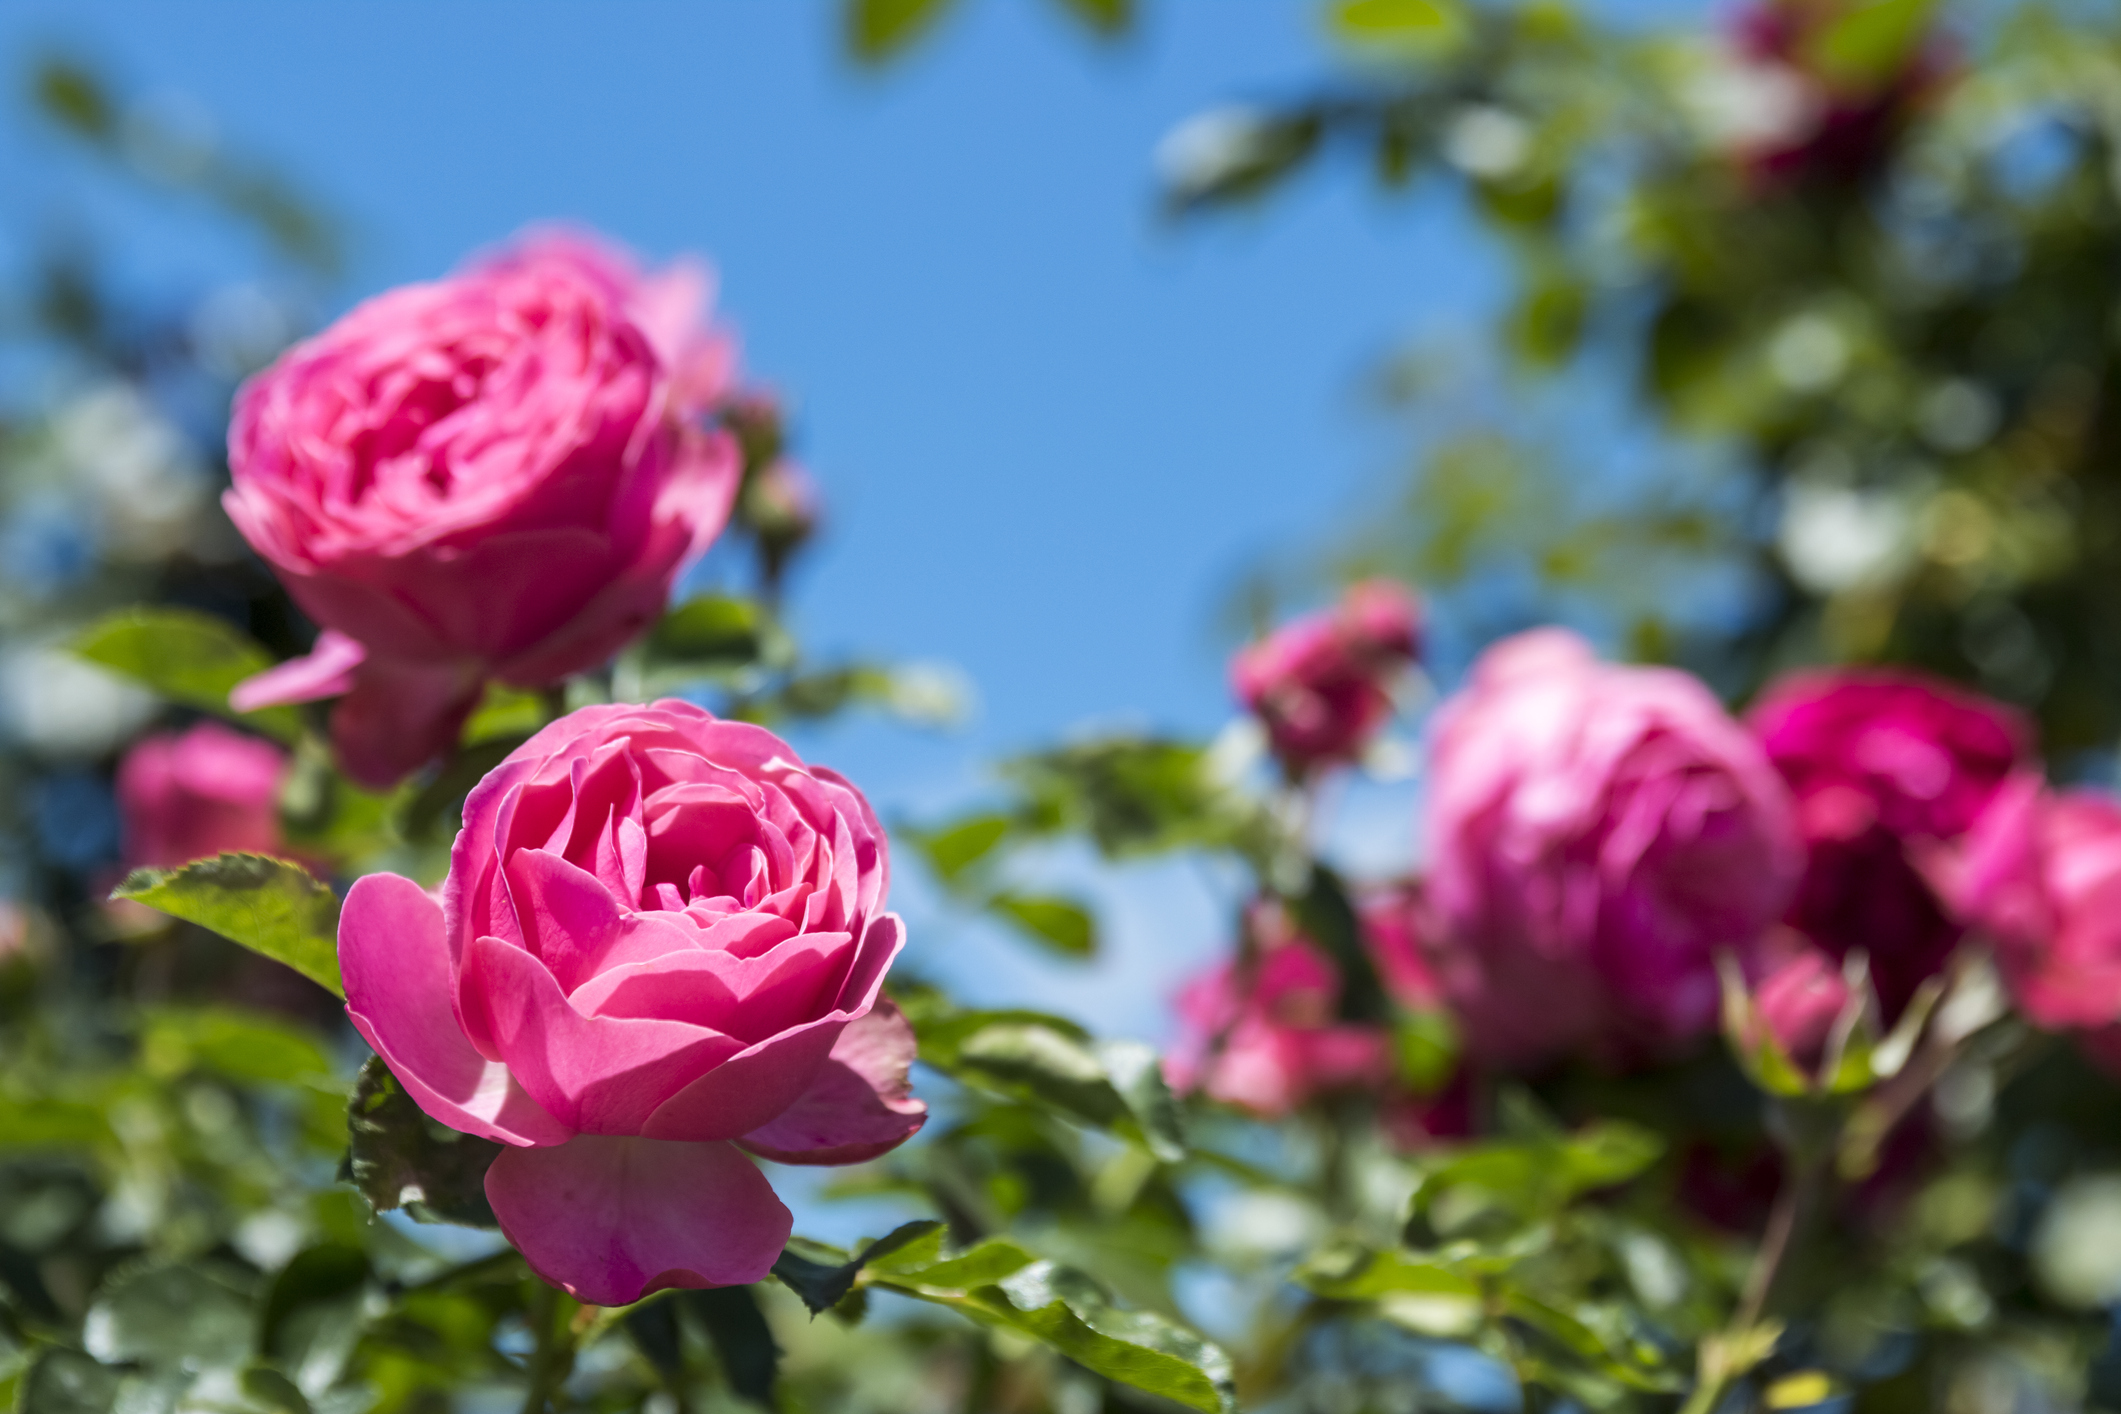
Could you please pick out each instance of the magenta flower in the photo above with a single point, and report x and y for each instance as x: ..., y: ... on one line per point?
x: 1597, y: 834
x: 197, y: 793
x: 1260, y: 1032
x: 1884, y: 766
x: 496, y: 475
x: 1800, y: 996
x: 1321, y: 684
x: 2040, y: 875
x: 659, y: 949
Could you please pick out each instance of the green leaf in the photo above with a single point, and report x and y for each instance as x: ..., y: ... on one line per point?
x: 238, y: 1045
x: 877, y: 30
x: 441, y: 800
x: 193, y: 1315
x: 1415, y: 27
x: 312, y: 1315
x: 1328, y: 918
x: 823, y: 1284
x: 44, y: 1122
x: 742, y: 1341
x: 1000, y: 1285
x: 1105, y: 18
x: 68, y: 1382
x: 270, y: 906
x: 1063, y: 926
x: 707, y: 633
x: 187, y: 657
x: 954, y: 849
x: 1355, y: 1273
x: 268, y: 1387
x: 1491, y: 1189
x: 1867, y: 44
x: 1130, y: 795
x: 400, y: 1158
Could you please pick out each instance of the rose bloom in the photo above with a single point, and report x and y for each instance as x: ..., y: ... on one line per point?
x: 1884, y: 766
x: 1321, y: 684
x: 1597, y: 834
x: 659, y: 950
x: 2040, y: 875
x: 1394, y: 922
x: 1801, y: 994
x: 495, y: 475
x: 1261, y: 1033
x: 197, y: 793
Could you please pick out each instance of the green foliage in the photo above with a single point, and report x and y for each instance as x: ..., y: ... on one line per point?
x: 187, y: 657
x: 270, y: 906
x: 877, y: 30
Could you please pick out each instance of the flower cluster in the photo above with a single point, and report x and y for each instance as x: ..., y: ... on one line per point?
x: 1607, y: 847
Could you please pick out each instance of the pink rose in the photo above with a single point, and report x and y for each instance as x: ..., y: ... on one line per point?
x: 197, y: 793
x: 1597, y: 834
x: 1884, y: 766
x: 2040, y: 874
x: 1393, y: 926
x: 660, y: 945
x: 1321, y: 684
x: 497, y: 475
x: 1261, y: 1034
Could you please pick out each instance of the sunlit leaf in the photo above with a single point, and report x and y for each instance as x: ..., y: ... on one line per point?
x: 877, y: 30
x: 1061, y: 924
x: 187, y: 657
x: 270, y: 906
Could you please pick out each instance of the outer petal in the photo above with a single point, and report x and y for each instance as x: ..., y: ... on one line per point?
x: 610, y: 1219
x: 861, y: 1104
x: 326, y: 671
x: 603, y: 1075
x: 398, y: 990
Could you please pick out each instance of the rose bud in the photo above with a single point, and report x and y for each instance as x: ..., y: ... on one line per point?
x: 1800, y: 997
x: 198, y: 793
x: 1597, y: 835
x: 658, y: 951
x: 1884, y: 766
x: 1260, y: 1032
x: 496, y: 475
x: 1321, y: 684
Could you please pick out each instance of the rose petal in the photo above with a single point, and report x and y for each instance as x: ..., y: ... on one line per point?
x: 750, y: 1088
x: 609, y: 1219
x: 327, y: 670
x: 396, y: 967
x: 569, y: 918
x: 861, y: 1104
x: 601, y: 1075
x: 399, y: 716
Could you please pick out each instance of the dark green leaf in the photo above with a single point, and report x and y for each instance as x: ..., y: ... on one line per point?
x: 273, y: 1390
x: 194, y: 1316
x: 68, y: 1382
x: 1064, y: 926
x: 823, y: 1282
x: 708, y: 633
x: 268, y: 905
x: 878, y: 29
x: 953, y: 849
x: 653, y: 1328
x: 75, y: 98
x: 187, y: 657
x: 400, y: 1158
x: 312, y: 1318
x: 1329, y: 919
x: 743, y: 1343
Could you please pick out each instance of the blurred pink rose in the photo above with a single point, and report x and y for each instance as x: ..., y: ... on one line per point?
x: 494, y: 475
x: 1597, y: 833
x: 1393, y: 927
x: 660, y: 945
x: 1884, y: 766
x: 1321, y: 683
x: 2040, y: 875
x: 197, y: 793
x: 1261, y: 1034
x: 1800, y: 997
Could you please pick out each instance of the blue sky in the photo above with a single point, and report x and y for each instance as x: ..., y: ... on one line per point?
x: 1051, y: 430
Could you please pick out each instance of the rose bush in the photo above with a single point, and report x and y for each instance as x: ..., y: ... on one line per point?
x: 1885, y: 767
x: 197, y: 793
x: 659, y: 947
x: 1321, y: 685
x: 496, y: 475
x: 1596, y: 834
